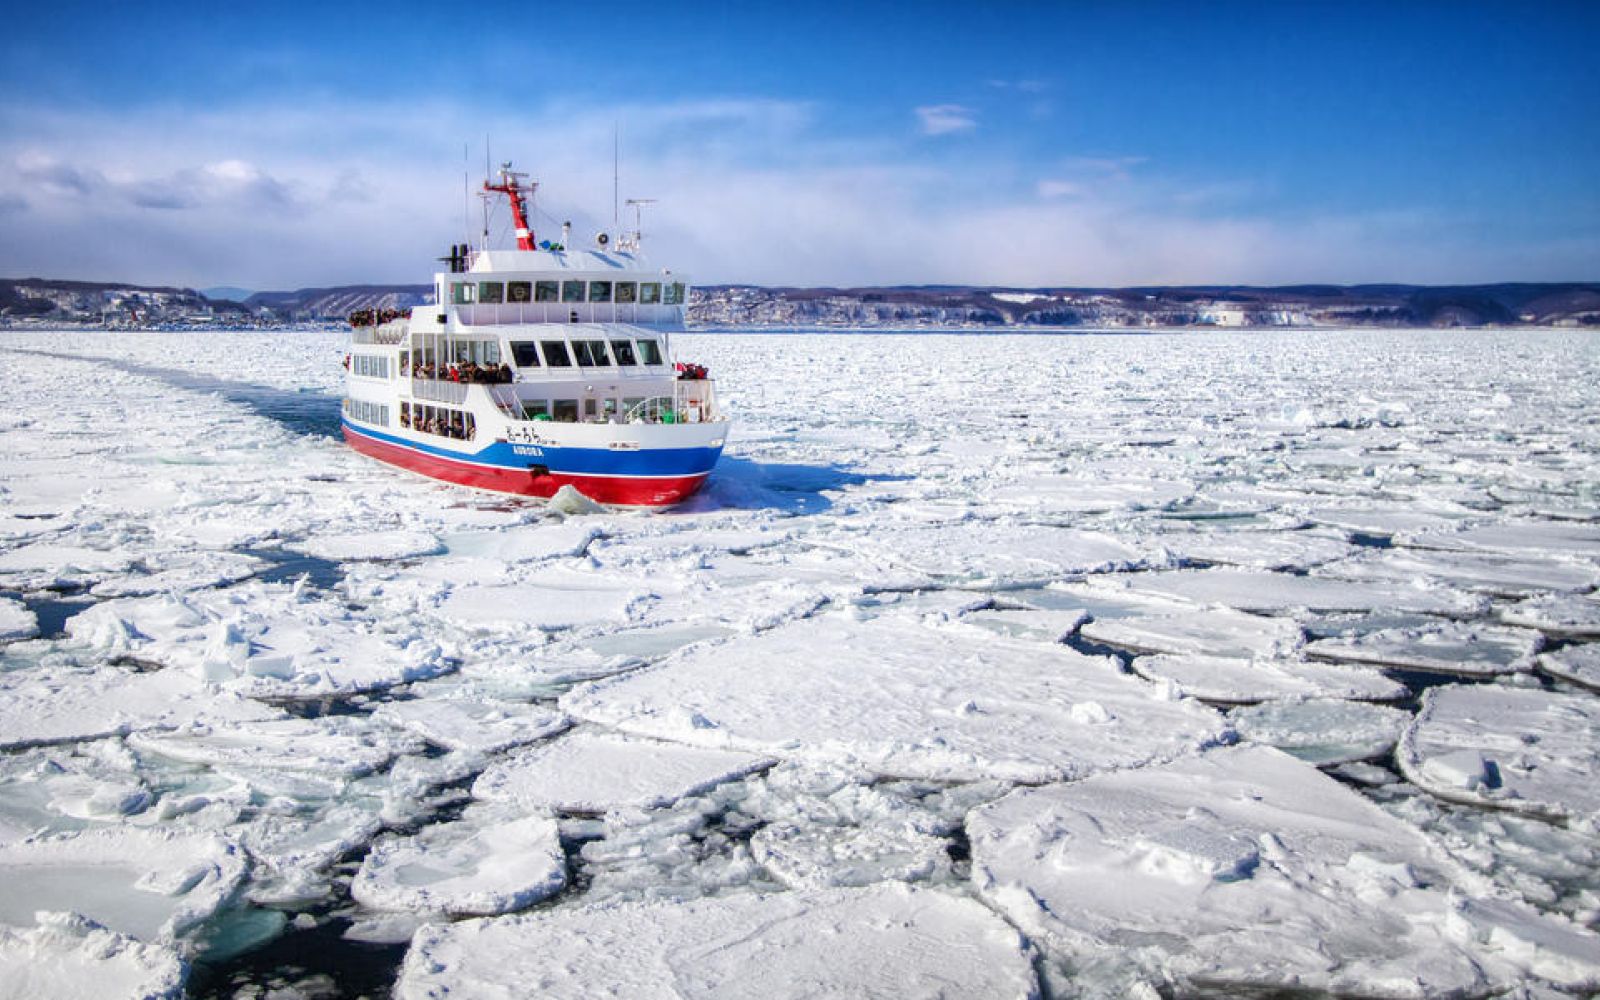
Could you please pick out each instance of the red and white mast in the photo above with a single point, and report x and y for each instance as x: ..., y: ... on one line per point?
x: 515, y: 191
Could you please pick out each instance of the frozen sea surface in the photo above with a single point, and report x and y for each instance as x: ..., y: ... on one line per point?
x: 960, y: 677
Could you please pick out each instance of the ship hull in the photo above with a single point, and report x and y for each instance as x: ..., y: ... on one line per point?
x: 638, y: 479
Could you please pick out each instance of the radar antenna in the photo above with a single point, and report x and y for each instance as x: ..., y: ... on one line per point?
x: 511, y: 185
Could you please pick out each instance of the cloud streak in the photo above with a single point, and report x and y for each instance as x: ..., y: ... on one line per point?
x: 944, y: 119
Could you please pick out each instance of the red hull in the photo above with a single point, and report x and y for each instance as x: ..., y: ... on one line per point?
x: 620, y: 490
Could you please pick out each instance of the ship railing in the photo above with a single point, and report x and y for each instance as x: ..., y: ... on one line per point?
x: 693, y: 401
x: 389, y: 333
x: 439, y: 390
x: 505, y: 314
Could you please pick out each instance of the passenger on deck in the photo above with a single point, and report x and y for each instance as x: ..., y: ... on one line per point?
x: 505, y: 373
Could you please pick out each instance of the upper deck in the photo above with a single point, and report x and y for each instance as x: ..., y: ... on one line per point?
x: 560, y: 286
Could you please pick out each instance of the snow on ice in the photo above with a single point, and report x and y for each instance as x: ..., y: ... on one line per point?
x: 250, y: 682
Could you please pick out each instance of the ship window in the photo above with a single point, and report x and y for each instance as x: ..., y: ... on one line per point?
x: 566, y: 411
x: 545, y: 291
x: 491, y: 352
x: 535, y: 409
x: 650, y: 352
x: 526, y: 353
x: 405, y: 361
x: 491, y: 291
x: 590, y: 353
x: 673, y: 294
x: 623, y: 349
x: 627, y: 291
x: 649, y: 292
x: 599, y: 291
x: 472, y: 427
x: 405, y: 414
x: 461, y: 293
x: 629, y: 404
x: 590, y: 410
x: 519, y: 291
x: 555, y: 353
x: 572, y: 291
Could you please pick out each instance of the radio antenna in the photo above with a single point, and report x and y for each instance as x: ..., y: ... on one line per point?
x: 616, y: 173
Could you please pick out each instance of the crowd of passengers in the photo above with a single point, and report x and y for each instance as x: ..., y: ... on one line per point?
x: 469, y: 372
x: 447, y: 423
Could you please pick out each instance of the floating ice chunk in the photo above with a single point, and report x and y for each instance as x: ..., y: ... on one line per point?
x: 1249, y: 590
x: 1001, y: 551
x: 1450, y: 648
x: 44, y: 564
x: 343, y: 546
x: 1244, y: 870
x: 342, y: 746
x: 1090, y: 495
x: 1042, y: 624
x: 586, y: 772
x: 77, y: 704
x: 181, y: 573
x: 558, y: 600
x: 155, y: 885
x: 1237, y: 681
x: 1559, y: 539
x: 567, y: 500
x: 1496, y: 575
x: 70, y: 957
x: 476, y: 724
x: 880, y: 942
x: 16, y: 621
x: 464, y: 868
x: 815, y: 856
x: 1579, y: 664
x: 1557, y: 614
x: 1257, y: 549
x: 1526, y: 750
x: 1323, y: 731
x: 1214, y: 632
x: 1386, y: 522
x: 549, y: 539
x: 899, y: 697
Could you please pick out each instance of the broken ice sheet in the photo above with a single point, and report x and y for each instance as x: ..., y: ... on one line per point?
x: 345, y: 546
x: 1558, y: 539
x: 1579, y: 664
x: 336, y: 747
x: 1496, y: 575
x: 1003, y: 552
x: 1323, y: 731
x: 1255, y: 590
x: 1256, y: 548
x: 69, y: 957
x: 1564, y: 615
x: 1213, y: 632
x: 1446, y: 648
x: 594, y: 772
x: 471, y: 722
x: 1526, y: 750
x: 16, y: 621
x: 155, y: 885
x: 1240, y: 681
x: 902, y: 698
x: 1243, y: 870
x: 479, y: 864
x: 880, y: 942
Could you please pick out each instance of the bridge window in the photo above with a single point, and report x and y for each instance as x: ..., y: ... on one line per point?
x: 491, y: 291
x: 555, y: 353
x: 590, y: 353
x: 572, y: 291
x: 526, y: 353
x: 536, y: 409
x: 566, y: 411
x: 519, y: 291
x: 461, y: 293
x: 649, y: 292
x: 650, y: 352
x: 599, y: 291
x: 623, y: 350
x: 545, y: 291
x: 673, y: 294
x: 627, y: 292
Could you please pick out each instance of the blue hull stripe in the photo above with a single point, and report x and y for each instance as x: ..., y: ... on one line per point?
x: 571, y: 461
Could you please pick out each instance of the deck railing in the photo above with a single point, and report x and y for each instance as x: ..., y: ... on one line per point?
x: 439, y: 391
x: 493, y: 314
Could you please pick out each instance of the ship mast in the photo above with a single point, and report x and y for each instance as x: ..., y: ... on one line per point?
x: 515, y: 191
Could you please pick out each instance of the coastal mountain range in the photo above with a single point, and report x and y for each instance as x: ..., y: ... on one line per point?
x: 36, y: 302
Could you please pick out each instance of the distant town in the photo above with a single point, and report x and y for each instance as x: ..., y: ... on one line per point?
x: 42, y: 303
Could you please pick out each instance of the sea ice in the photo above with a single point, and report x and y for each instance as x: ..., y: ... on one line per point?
x: 1214, y: 632
x: 473, y: 723
x: 330, y: 746
x: 1579, y: 664
x: 815, y: 856
x: 983, y: 551
x: 70, y: 957
x: 1322, y: 731
x: 885, y: 941
x: 1527, y: 750
x: 1558, y: 614
x: 592, y: 773
x: 1254, y: 590
x: 903, y: 698
x: 1237, y: 681
x: 468, y: 867
x: 1559, y: 539
x: 1257, y: 549
x: 376, y: 545
x: 1449, y: 648
x: 1243, y: 870
x: 16, y: 621
x: 1496, y: 575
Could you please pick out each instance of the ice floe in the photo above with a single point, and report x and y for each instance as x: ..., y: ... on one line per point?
x: 884, y: 941
x: 900, y: 697
x: 1323, y: 731
x: 465, y: 868
x: 1558, y: 614
x: 1244, y: 870
x: 1237, y: 680
x: 338, y: 746
x: 1579, y: 664
x: 1213, y: 632
x: 1526, y: 750
x: 16, y: 621
x: 1449, y: 648
x: 69, y: 957
x: 1497, y: 575
x: 472, y: 722
x: 1252, y: 590
x: 359, y: 545
x: 592, y: 773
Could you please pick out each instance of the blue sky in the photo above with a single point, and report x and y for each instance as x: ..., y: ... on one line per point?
x: 1015, y: 143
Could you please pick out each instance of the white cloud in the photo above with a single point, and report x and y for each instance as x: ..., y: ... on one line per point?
x: 943, y: 119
